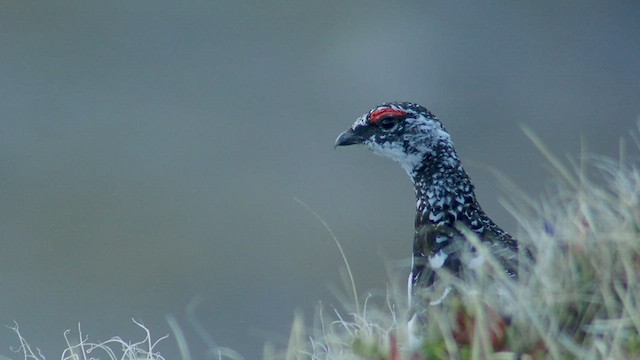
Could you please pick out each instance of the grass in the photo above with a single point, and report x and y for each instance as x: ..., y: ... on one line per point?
x: 113, y: 349
x: 580, y: 298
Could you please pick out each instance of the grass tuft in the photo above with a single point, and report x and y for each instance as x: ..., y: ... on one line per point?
x: 81, y: 347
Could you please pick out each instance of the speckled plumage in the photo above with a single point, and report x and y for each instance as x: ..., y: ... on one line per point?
x: 411, y: 135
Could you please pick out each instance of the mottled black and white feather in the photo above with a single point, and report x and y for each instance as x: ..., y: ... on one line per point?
x: 445, y: 200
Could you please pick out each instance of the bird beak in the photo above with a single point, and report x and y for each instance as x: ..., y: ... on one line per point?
x: 348, y: 137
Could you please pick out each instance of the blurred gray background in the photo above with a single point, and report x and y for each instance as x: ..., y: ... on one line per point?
x: 150, y: 151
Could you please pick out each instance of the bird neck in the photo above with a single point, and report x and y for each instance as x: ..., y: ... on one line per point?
x: 443, y: 188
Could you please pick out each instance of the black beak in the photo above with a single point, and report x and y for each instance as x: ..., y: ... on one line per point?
x: 348, y: 137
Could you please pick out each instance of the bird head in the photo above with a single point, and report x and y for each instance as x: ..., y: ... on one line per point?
x: 404, y: 132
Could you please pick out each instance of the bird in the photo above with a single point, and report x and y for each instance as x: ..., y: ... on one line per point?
x: 411, y: 135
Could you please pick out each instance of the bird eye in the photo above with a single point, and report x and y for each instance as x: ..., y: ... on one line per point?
x: 388, y: 123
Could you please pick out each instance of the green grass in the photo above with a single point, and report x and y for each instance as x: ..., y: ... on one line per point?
x: 579, y: 299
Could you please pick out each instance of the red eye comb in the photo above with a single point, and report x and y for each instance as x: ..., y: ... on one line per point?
x: 381, y: 113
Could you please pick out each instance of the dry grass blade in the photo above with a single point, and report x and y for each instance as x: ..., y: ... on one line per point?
x: 344, y: 256
x: 555, y: 162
